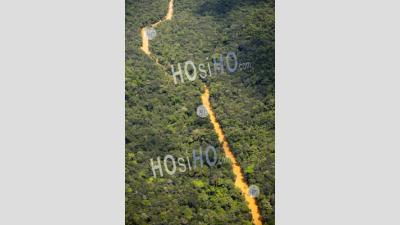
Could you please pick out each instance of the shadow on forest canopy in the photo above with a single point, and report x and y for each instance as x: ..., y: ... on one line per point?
x: 219, y: 8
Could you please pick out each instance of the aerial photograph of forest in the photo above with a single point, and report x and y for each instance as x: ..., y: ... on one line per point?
x: 200, y: 112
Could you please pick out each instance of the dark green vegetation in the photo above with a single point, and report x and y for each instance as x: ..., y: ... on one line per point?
x: 161, y: 116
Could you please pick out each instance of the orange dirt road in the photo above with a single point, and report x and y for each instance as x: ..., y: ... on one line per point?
x: 239, y: 182
x: 145, y: 39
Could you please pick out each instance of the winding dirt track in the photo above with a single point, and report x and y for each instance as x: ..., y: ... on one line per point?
x: 205, y: 98
x: 145, y: 39
x: 239, y: 181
